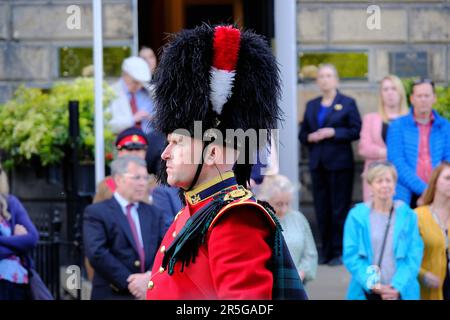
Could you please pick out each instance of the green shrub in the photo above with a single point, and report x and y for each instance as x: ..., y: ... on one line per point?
x: 35, y: 123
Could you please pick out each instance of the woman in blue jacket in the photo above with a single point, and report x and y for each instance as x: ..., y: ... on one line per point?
x: 18, y: 237
x: 382, y: 245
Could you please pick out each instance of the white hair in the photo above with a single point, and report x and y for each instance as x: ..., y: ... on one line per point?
x: 275, y: 184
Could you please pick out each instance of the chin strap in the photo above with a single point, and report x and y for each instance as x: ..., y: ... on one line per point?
x: 199, y: 167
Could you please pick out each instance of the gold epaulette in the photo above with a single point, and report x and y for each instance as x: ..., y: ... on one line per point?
x: 241, y: 197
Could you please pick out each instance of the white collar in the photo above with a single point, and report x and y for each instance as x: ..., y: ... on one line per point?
x: 123, y: 202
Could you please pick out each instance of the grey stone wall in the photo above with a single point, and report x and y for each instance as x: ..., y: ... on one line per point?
x: 31, y: 33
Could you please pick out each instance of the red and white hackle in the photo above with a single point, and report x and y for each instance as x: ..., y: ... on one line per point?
x: 223, y: 70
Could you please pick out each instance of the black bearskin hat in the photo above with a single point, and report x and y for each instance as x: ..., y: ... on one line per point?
x: 222, y: 76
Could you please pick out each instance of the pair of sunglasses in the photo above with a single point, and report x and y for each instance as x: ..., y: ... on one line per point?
x: 422, y: 81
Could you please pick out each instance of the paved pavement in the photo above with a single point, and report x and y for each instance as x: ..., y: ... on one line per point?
x: 330, y: 284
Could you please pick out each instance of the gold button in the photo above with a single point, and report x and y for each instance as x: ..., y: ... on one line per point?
x: 163, y: 249
x: 137, y: 263
x: 151, y: 285
x: 161, y: 269
x: 174, y: 234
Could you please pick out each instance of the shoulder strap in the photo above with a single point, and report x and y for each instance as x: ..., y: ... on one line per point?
x: 243, y: 202
x: 386, y: 231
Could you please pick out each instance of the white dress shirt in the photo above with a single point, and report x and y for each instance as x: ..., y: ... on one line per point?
x: 134, y: 213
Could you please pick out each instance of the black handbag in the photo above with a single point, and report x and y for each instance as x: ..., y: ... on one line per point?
x: 371, y: 295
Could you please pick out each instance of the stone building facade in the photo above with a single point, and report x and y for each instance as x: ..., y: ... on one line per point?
x: 33, y: 31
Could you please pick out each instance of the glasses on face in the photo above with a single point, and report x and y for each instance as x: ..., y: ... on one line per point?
x: 137, y: 177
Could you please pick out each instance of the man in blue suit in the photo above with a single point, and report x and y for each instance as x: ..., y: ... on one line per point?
x: 331, y: 122
x: 122, y: 234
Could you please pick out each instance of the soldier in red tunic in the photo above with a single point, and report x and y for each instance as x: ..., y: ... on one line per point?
x: 224, y: 244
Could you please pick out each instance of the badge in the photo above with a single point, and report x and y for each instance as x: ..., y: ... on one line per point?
x: 235, y: 194
x: 338, y: 107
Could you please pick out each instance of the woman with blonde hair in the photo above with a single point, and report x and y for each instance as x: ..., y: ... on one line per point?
x: 18, y: 237
x: 382, y: 245
x: 392, y: 104
x: 277, y: 190
x: 434, y: 223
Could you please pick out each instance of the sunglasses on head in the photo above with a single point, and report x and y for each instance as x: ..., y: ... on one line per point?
x: 380, y: 163
x: 422, y: 81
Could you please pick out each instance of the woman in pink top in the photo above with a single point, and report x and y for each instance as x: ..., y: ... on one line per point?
x: 372, y: 144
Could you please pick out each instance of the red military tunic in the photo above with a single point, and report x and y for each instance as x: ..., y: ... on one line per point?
x: 233, y: 263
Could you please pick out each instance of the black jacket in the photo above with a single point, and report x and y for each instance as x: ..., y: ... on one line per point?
x: 110, y: 247
x: 334, y: 153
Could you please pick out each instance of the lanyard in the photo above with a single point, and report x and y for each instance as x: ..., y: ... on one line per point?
x: 386, y: 231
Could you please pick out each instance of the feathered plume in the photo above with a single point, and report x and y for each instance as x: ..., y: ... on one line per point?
x: 225, y: 56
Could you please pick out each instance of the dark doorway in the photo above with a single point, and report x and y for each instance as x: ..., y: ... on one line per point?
x: 259, y: 17
x: 212, y: 14
x: 158, y: 18
x: 151, y: 23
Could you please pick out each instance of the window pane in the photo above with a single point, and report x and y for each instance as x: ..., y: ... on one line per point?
x: 350, y: 65
x: 75, y: 62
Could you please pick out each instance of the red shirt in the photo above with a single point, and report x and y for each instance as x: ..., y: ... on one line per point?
x: 232, y: 264
x: 424, y: 166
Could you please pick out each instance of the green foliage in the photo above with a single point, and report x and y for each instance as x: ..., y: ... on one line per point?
x: 350, y: 65
x: 443, y: 101
x: 442, y: 105
x: 36, y: 124
x: 74, y: 62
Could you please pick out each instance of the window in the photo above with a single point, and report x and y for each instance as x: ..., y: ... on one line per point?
x: 75, y: 62
x: 350, y: 65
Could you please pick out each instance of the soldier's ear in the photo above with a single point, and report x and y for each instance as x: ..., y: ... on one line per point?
x: 211, y: 155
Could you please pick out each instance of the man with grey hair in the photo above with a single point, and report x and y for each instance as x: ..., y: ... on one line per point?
x: 122, y: 234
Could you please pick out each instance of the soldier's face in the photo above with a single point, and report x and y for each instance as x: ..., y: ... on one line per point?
x: 182, y: 156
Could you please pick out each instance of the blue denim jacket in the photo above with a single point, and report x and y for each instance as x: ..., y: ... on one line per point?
x: 358, y: 255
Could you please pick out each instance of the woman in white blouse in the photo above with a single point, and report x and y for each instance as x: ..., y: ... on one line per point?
x: 277, y: 190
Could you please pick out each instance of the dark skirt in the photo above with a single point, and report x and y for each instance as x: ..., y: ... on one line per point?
x: 14, y: 291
